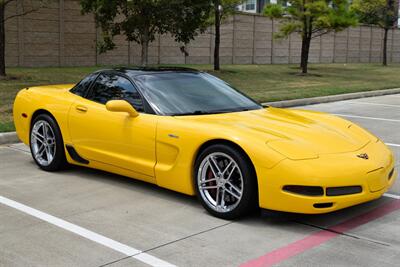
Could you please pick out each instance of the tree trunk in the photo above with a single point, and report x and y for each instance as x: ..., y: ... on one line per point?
x: 2, y: 42
x: 305, y: 40
x: 217, y: 34
x: 305, y: 50
x: 145, y: 52
x: 385, y: 41
x: 145, y: 48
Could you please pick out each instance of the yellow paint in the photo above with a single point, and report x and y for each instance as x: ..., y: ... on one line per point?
x: 286, y: 147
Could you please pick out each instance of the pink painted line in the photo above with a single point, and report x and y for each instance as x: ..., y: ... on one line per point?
x: 320, y: 237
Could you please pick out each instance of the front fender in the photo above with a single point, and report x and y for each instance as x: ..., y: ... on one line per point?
x: 178, y: 143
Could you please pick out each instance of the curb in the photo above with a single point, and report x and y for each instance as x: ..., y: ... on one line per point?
x: 9, y: 138
x: 330, y: 98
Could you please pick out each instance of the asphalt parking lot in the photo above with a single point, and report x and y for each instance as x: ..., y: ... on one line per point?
x: 83, y: 217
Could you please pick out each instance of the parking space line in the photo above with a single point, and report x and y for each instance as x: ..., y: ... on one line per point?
x: 391, y: 196
x: 374, y: 104
x: 391, y: 144
x: 322, y: 236
x: 100, y: 239
x: 368, y: 118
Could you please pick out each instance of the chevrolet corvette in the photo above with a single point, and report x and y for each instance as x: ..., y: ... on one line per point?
x: 188, y: 131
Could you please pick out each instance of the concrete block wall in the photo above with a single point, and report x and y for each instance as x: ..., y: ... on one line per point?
x: 58, y: 35
x: 12, y: 37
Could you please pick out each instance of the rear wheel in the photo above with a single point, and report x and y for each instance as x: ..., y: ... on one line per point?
x: 47, y: 146
x: 225, y: 182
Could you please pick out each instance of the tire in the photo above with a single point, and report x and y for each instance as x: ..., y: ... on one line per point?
x: 233, y: 193
x: 47, y: 146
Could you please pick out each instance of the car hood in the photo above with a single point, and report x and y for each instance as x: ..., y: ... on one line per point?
x: 296, y: 134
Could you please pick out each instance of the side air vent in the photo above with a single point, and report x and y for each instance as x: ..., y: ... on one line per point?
x: 75, y: 156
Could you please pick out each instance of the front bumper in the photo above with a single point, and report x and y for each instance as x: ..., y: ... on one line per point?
x: 331, y: 170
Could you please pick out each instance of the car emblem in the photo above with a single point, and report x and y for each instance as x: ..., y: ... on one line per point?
x: 363, y: 156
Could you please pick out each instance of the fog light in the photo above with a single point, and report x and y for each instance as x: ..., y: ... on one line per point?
x: 304, y: 190
x: 343, y: 190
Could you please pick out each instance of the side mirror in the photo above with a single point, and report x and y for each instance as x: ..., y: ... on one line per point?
x: 121, y: 106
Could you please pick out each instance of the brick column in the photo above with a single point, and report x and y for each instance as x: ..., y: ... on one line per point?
x: 21, y: 40
x: 254, y: 40
x: 61, y: 60
x: 233, y: 38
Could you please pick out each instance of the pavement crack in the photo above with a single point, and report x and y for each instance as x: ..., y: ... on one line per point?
x: 168, y: 243
x: 344, y: 234
x: 18, y: 149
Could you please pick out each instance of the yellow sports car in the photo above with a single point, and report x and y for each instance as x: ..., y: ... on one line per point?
x: 191, y: 132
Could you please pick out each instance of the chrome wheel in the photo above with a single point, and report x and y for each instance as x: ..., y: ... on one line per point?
x: 43, y: 142
x: 220, y: 182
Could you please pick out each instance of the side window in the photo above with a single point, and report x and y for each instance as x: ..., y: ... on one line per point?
x: 84, y: 85
x: 112, y: 87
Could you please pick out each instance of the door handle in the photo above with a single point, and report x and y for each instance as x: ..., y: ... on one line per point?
x: 81, y: 108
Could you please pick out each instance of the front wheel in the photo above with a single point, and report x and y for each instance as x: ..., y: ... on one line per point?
x: 46, y: 143
x: 225, y: 182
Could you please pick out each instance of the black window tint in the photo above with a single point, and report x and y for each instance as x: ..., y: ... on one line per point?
x: 82, y: 87
x: 113, y: 87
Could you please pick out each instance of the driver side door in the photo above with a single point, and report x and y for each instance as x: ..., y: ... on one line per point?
x: 114, y: 138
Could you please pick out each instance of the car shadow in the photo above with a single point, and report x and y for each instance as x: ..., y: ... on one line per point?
x: 258, y: 217
x: 80, y: 172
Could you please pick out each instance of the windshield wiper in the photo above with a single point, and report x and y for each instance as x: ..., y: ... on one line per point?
x: 202, y: 112
x: 196, y: 112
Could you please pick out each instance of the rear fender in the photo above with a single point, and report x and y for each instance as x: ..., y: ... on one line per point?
x: 28, y: 104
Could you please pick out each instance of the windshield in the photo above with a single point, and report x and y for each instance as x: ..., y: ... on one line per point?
x: 187, y: 93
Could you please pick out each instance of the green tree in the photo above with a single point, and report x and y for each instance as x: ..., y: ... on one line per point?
x: 141, y: 20
x: 311, y: 19
x: 22, y: 11
x: 377, y: 12
x: 221, y: 10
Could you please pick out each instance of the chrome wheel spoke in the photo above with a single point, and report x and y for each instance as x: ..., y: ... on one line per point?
x: 230, y: 173
x: 209, y: 180
x: 41, y: 150
x: 44, y: 130
x: 223, y: 198
x: 208, y: 187
x: 235, y: 188
x: 38, y: 137
x: 48, y: 153
x: 212, y: 168
x: 217, y: 197
x: 43, y: 142
x: 227, y: 167
x: 232, y: 193
x: 220, y: 182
